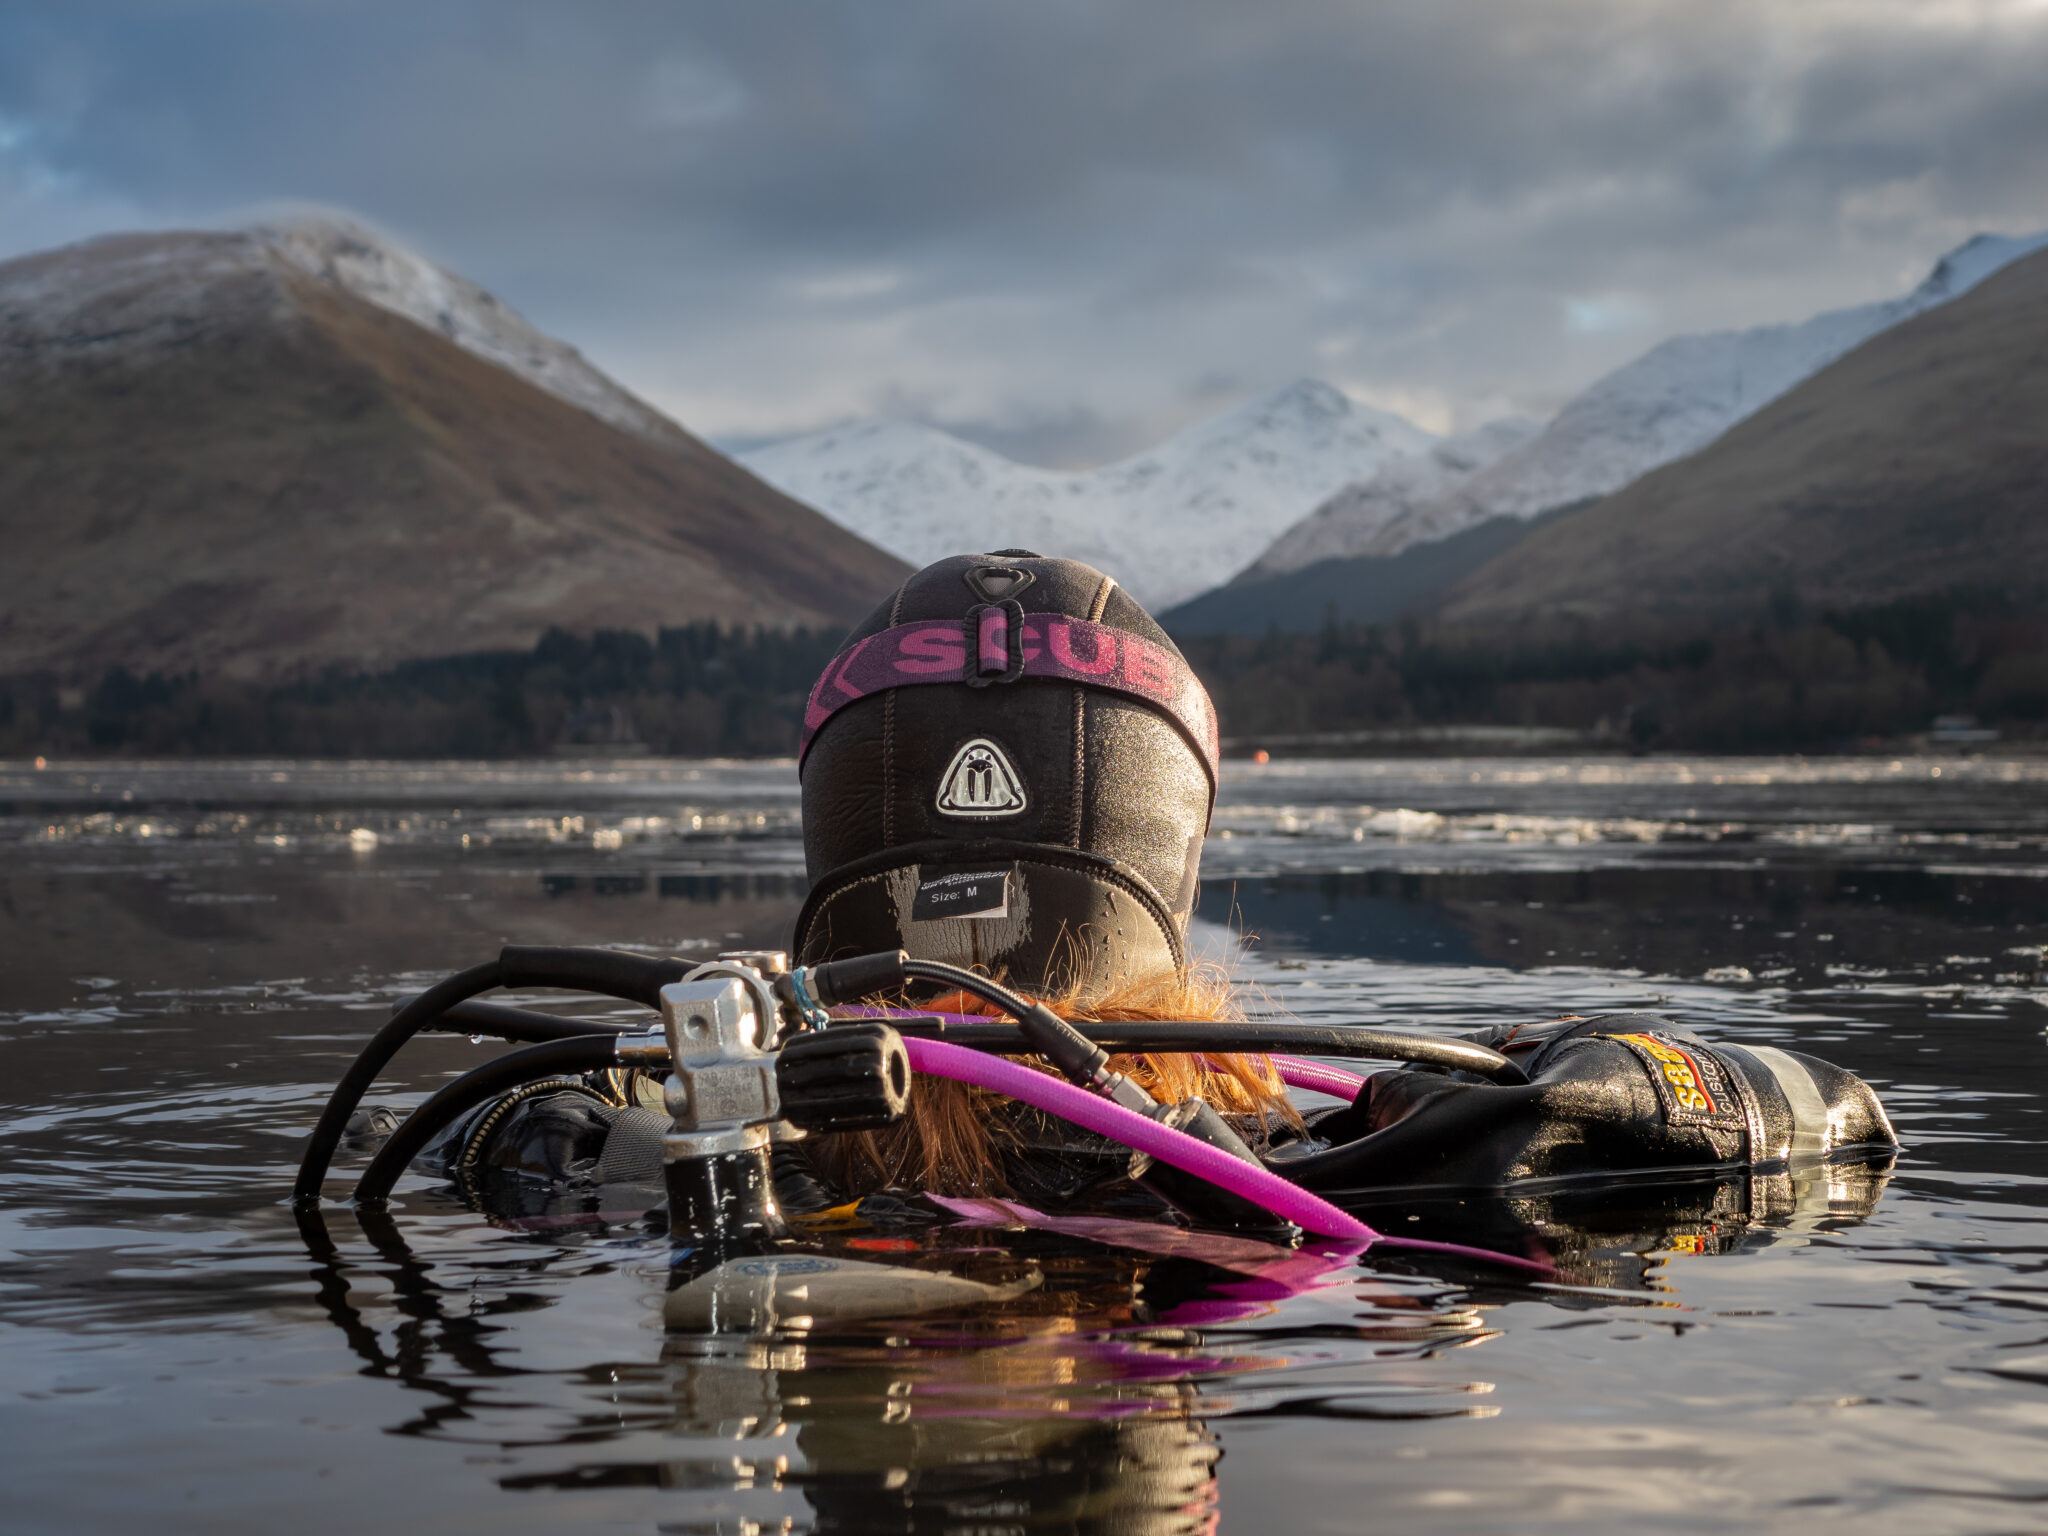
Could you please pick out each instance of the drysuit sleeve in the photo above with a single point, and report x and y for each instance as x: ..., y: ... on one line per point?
x: 547, y: 1140
x: 1618, y: 1094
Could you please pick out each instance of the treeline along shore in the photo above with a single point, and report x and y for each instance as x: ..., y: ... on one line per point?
x: 701, y: 690
x: 1786, y: 680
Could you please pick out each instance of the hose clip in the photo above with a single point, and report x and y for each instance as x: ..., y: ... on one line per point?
x: 793, y: 989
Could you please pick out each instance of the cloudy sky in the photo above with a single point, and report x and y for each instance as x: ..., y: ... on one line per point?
x: 1066, y: 227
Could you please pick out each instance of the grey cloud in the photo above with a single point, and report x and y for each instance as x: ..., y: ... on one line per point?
x: 1053, y: 222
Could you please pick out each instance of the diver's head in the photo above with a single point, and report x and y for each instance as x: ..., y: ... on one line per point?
x: 1008, y: 765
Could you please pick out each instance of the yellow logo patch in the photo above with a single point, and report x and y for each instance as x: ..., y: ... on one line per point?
x: 1688, y: 1083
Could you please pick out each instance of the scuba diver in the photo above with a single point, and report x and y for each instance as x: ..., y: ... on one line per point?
x: 1008, y: 771
x: 993, y: 1082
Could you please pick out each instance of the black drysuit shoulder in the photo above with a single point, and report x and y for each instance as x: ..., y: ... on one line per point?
x: 1619, y: 1094
x: 526, y: 1152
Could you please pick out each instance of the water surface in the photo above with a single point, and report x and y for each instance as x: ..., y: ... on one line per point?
x: 191, y: 952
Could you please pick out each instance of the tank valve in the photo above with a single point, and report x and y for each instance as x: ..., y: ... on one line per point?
x: 720, y: 1025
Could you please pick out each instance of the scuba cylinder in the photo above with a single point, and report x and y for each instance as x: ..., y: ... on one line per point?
x: 1623, y: 1093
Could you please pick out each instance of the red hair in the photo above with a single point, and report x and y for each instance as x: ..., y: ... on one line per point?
x: 950, y: 1143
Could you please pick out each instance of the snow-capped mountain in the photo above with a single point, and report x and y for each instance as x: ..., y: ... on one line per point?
x: 1167, y: 523
x: 1348, y: 522
x: 351, y: 257
x: 1910, y: 467
x: 156, y: 286
x: 217, y: 453
x: 1677, y: 398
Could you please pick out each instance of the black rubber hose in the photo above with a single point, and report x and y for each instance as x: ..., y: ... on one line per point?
x: 1079, y: 1049
x: 555, y: 1058
x: 846, y: 981
x: 1239, y: 1035
x: 988, y: 991
x: 527, y: 1025
x: 609, y: 972
x: 355, y: 1082
x: 1070, y: 1052
x: 1045, y: 1032
x: 858, y: 976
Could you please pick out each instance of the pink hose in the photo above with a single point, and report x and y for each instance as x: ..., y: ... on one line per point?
x: 1308, y: 1211
x: 1262, y: 1187
x: 1313, y: 1075
x: 1294, y: 1071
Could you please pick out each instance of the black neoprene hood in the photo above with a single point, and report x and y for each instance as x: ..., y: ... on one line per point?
x: 1008, y: 765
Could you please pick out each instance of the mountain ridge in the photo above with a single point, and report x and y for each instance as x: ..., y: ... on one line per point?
x: 1346, y: 524
x: 1915, y: 464
x: 1168, y: 523
x: 341, y: 251
x: 1350, y: 589
x: 1678, y: 397
x: 214, y: 458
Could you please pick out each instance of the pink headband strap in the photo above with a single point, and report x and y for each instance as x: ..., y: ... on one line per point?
x: 986, y: 649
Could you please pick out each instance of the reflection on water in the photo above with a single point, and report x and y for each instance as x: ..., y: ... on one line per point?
x: 192, y: 952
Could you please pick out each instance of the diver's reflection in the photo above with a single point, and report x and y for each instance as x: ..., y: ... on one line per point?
x: 878, y: 1450
x: 1086, y: 1402
x: 430, y: 1326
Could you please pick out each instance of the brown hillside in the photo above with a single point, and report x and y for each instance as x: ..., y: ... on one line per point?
x: 210, y: 459
x: 1917, y: 463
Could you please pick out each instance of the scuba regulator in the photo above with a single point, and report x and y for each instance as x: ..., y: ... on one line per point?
x: 753, y: 1057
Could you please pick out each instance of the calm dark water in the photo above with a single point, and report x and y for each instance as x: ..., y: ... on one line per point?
x: 190, y: 953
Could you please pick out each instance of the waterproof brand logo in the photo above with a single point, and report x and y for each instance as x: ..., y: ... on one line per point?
x: 1692, y: 1086
x: 979, y: 784
x: 1680, y: 1071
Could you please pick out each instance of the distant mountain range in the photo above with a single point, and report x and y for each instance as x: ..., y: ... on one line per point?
x: 1168, y: 523
x: 1917, y: 464
x: 1306, y: 476
x: 1395, y: 543
x: 271, y: 450
x: 1675, y: 399
x: 268, y: 451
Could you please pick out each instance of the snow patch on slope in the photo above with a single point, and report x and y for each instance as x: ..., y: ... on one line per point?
x: 135, y: 291
x: 119, y: 293
x: 1677, y: 398
x: 1167, y: 523
x: 384, y: 273
x: 1346, y: 524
